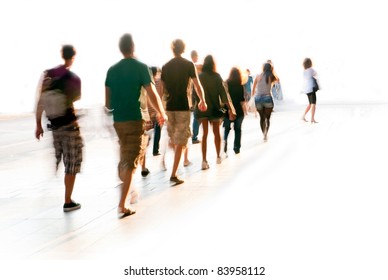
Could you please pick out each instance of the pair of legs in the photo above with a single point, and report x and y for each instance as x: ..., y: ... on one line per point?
x: 68, y: 146
x: 312, y: 104
x: 132, y: 149
x: 178, y: 129
x: 217, y: 139
x: 237, y: 133
x: 264, y: 105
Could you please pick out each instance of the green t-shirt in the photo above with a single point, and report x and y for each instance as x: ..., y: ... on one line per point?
x: 125, y: 80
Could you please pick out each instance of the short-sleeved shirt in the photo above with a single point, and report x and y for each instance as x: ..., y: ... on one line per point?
x: 176, y: 75
x: 72, y: 87
x: 236, y: 92
x: 308, y: 80
x: 125, y: 80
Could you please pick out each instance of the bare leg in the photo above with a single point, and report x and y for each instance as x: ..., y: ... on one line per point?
x: 313, y: 113
x: 205, y: 127
x: 127, y: 179
x: 305, y: 112
x: 177, y: 158
x: 217, y: 136
x: 69, y: 186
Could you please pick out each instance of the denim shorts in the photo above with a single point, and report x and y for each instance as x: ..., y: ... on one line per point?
x: 262, y: 102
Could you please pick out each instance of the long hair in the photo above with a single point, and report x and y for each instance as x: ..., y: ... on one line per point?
x: 268, y: 73
x: 234, y: 76
x: 209, y: 65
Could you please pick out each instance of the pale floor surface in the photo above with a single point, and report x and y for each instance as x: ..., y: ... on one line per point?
x: 308, y: 204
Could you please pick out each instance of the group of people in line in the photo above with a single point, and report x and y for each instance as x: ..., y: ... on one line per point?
x: 170, y: 95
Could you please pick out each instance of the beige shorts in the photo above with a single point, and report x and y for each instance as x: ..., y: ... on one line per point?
x: 178, y: 127
x: 132, y: 143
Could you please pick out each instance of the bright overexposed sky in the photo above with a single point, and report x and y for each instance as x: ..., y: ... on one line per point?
x: 346, y: 41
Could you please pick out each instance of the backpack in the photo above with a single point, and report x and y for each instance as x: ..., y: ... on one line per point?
x: 54, y: 99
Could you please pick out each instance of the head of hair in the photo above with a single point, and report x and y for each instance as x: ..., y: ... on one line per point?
x: 268, y: 73
x: 178, y: 46
x: 307, y: 63
x: 154, y: 70
x: 235, y: 75
x: 209, y: 65
x: 68, y: 52
x: 126, y: 44
x: 193, y: 54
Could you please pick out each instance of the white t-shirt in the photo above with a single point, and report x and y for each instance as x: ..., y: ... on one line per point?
x: 308, y: 80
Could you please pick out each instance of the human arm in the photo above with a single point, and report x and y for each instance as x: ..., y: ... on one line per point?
x: 107, y: 107
x: 156, y: 102
x: 199, y: 91
x: 38, y: 119
x: 39, y: 107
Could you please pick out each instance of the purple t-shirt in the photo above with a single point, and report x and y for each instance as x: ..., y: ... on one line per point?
x: 73, y: 82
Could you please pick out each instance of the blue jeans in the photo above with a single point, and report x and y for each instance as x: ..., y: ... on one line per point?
x: 196, y: 124
x: 237, y: 131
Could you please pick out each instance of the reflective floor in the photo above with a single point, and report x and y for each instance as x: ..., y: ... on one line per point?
x: 310, y: 203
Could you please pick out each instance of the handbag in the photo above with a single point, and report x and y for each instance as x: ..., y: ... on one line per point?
x: 251, y: 105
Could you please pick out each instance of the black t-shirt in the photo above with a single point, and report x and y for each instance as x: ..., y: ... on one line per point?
x: 176, y: 75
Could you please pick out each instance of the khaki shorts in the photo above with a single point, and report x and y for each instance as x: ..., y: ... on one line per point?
x: 178, y: 127
x: 132, y: 143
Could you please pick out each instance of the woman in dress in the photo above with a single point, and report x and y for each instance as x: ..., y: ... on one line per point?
x: 215, y: 93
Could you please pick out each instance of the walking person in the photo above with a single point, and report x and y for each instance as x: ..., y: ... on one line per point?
x: 60, y: 88
x: 214, y: 94
x: 310, y: 87
x: 236, y: 93
x: 123, y: 84
x: 176, y: 75
x: 194, y: 98
x: 263, y: 99
x: 153, y: 114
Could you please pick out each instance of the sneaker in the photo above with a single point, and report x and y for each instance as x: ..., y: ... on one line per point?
x: 205, y: 165
x: 145, y: 172
x: 125, y: 212
x: 156, y: 154
x: 67, y: 207
x: 186, y: 163
x: 196, y: 141
x: 176, y: 180
x: 219, y: 160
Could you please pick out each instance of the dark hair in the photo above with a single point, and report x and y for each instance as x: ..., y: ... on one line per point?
x: 68, y: 52
x: 178, y: 46
x: 154, y: 70
x: 307, y: 63
x: 234, y: 76
x: 268, y: 73
x: 209, y: 65
x: 126, y: 44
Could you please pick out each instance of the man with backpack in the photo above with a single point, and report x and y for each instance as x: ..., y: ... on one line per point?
x: 59, y: 89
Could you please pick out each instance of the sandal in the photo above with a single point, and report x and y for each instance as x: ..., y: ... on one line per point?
x: 125, y: 212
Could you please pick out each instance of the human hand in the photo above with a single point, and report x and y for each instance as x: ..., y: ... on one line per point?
x: 38, y: 132
x: 232, y: 116
x: 202, y: 106
x: 162, y: 118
